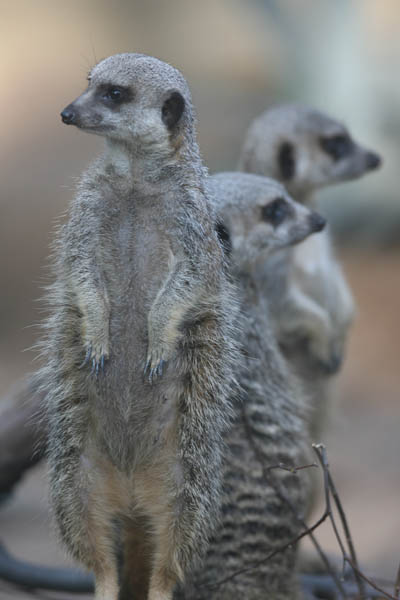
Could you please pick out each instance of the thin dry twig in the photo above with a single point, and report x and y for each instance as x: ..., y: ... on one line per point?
x: 291, y: 469
x: 369, y: 581
x: 321, y: 586
x: 347, y: 533
x: 320, y: 450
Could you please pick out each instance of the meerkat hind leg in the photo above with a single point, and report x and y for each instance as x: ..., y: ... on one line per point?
x: 166, y: 571
x: 137, y: 557
x: 157, y: 500
x: 106, y: 587
x: 94, y: 498
x: 161, y: 588
x: 104, y: 556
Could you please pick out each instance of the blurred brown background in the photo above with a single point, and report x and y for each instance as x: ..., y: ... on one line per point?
x: 239, y: 57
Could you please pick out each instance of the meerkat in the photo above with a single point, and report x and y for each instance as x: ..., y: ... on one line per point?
x: 256, y: 219
x: 309, y: 298
x: 139, y: 346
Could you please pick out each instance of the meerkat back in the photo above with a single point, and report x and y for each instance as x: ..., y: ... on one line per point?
x: 139, y: 345
x: 307, y: 150
x: 256, y: 218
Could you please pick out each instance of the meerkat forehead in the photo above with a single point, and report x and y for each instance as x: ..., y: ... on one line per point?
x: 296, y: 120
x: 244, y: 189
x: 140, y: 71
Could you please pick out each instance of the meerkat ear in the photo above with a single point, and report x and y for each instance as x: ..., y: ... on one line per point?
x: 286, y: 160
x: 172, y: 109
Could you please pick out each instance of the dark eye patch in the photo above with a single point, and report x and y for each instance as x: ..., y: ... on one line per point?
x: 275, y: 212
x: 337, y: 146
x: 114, y: 95
x: 286, y: 160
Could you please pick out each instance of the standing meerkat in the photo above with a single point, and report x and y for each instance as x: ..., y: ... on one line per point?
x: 258, y: 218
x: 139, y: 346
x: 309, y: 298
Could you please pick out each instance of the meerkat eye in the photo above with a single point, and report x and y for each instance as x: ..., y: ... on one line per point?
x: 275, y: 212
x: 115, y: 95
x: 337, y: 146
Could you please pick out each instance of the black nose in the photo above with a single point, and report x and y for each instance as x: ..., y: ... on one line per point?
x: 68, y: 116
x: 373, y: 160
x: 317, y: 222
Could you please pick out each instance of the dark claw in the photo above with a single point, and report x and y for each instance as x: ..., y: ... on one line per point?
x: 159, y: 369
x: 146, y: 366
x: 151, y: 374
x: 87, y: 357
x: 156, y: 371
x: 97, y: 365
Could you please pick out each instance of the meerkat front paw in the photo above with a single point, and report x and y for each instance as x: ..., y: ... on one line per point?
x: 154, y: 368
x: 157, y: 358
x: 96, y: 352
x: 95, y: 338
x: 96, y: 356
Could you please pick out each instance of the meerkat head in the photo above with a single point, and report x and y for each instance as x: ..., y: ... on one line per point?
x: 135, y: 99
x: 256, y: 216
x: 305, y: 149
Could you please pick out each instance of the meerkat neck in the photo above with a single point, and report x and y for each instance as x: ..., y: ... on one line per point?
x: 133, y: 168
x: 244, y: 273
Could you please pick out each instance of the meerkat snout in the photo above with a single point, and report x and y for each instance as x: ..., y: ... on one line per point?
x: 373, y: 161
x: 68, y: 115
x: 317, y: 222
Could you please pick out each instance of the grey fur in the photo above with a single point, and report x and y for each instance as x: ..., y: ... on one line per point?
x: 139, y: 280
x: 310, y: 301
x: 270, y: 421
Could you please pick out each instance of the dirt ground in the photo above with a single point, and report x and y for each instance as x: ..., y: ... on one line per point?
x: 363, y: 440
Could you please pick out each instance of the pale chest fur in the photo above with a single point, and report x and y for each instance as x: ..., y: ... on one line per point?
x: 316, y: 272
